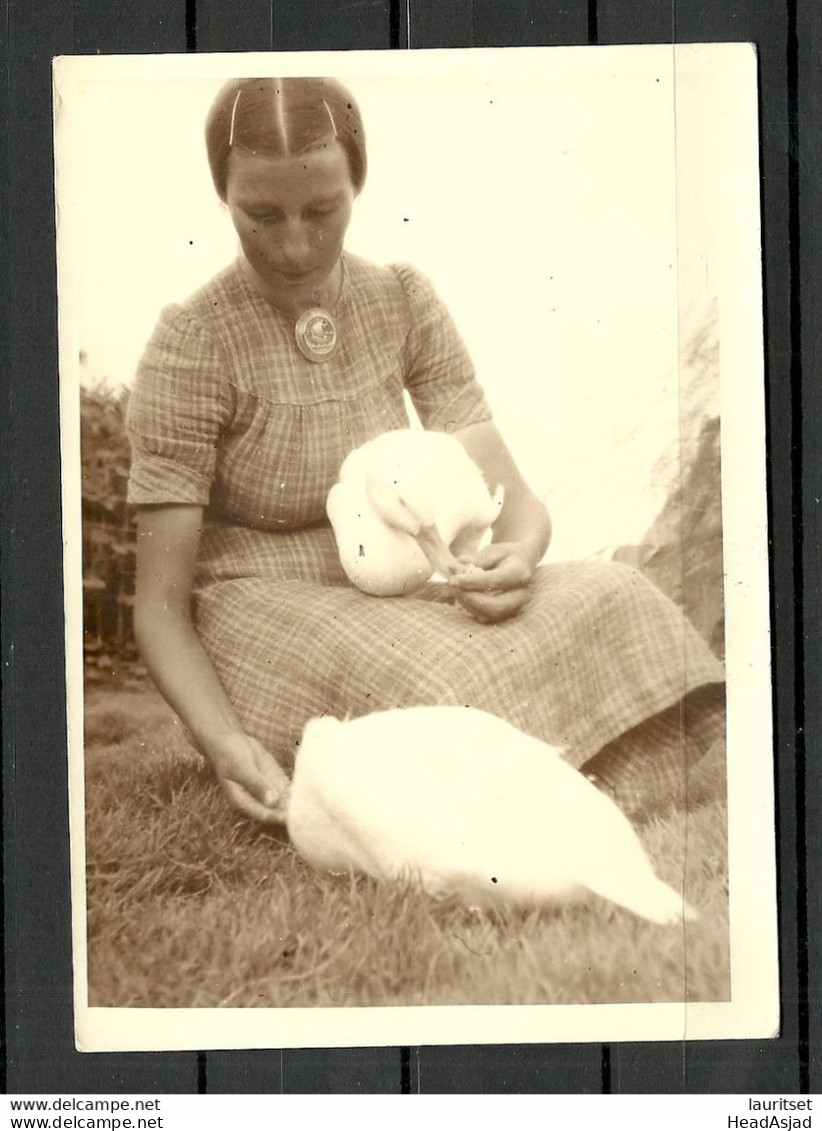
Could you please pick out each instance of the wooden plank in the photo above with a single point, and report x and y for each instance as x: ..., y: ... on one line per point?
x: 332, y: 1071
x: 434, y: 24
x: 625, y: 21
x: 332, y: 25
x: 656, y: 1068
x: 316, y: 1071
x: 150, y: 26
x: 809, y: 157
x: 234, y: 27
x: 249, y: 1071
x: 53, y: 1066
x: 535, y: 1069
x: 490, y: 23
x: 529, y: 23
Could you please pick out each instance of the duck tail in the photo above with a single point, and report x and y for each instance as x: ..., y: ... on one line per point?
x: 650, y: 899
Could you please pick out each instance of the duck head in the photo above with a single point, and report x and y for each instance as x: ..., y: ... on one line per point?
x: 417, y: 521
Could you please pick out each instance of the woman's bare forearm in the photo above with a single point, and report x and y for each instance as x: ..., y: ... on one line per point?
x: 182, y: 670
x: 252, y: 779
x: 523, y: 519
x: 168, y: 540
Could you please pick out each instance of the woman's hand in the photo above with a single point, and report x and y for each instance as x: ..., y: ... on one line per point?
x: 499, y: 586
x: 252, y: 779
x: 520, y: 535
x: 167, y: 542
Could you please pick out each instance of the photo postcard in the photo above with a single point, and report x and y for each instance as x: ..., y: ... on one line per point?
x: 415, y: 530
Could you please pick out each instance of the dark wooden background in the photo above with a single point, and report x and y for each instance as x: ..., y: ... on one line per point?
x: 39, y: 1052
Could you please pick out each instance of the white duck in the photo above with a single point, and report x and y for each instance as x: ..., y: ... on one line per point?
x: 465, y: 804
x: 407, y: 504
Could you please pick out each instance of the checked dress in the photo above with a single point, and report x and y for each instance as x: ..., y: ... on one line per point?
x: 226, y: 413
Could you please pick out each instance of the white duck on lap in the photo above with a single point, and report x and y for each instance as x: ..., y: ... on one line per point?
x: 465, y: 804
x: 407, y: 504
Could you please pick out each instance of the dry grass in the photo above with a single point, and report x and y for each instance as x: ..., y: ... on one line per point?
x: 191, y: 905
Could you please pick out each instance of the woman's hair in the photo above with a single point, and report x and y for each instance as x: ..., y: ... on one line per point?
x: 283, y: 117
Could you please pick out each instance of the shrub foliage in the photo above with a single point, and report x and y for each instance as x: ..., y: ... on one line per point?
x: 109, y: 533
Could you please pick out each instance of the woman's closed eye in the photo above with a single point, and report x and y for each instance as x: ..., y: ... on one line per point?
x: 321, y: 213
x: 265, y: 219
x: 322, y: 209
x: 312, y: 215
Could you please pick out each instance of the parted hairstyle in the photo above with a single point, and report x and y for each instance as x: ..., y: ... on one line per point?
x: 283, y: 117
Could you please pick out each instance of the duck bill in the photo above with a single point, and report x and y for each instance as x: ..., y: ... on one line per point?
x: 438, y: 554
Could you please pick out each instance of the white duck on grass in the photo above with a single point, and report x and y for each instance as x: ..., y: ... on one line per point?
x: 465, y: 804
x: 407, y: 504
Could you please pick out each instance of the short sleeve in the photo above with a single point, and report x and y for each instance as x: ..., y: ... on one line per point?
x: 439, y: 374
x: 179, y: 406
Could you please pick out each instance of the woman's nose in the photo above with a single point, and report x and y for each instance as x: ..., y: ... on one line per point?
x: 293, y: 244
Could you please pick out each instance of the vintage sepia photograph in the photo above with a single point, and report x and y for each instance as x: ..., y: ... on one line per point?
x: 416, y: 562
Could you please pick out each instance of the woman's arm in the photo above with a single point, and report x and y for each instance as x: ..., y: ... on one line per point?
x: 520, y: 535
x: 167, y: 542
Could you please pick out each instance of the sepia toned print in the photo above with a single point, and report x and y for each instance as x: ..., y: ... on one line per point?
x: 525, y: 799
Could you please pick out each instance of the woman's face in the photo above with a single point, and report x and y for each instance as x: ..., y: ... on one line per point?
x: 291, y: 214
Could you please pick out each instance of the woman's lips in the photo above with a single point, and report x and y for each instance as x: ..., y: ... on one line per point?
x: 294, y: 276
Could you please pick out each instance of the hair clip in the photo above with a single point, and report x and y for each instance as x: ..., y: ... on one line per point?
x: 233, y: 115
x: 330, y: 117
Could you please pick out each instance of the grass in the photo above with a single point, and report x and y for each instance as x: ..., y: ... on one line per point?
x: 192, y: 905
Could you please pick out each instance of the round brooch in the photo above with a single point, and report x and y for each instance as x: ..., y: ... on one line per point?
x: 316, y: 334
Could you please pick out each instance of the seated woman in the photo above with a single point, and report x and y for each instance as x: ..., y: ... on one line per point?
x: 248, y: 398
